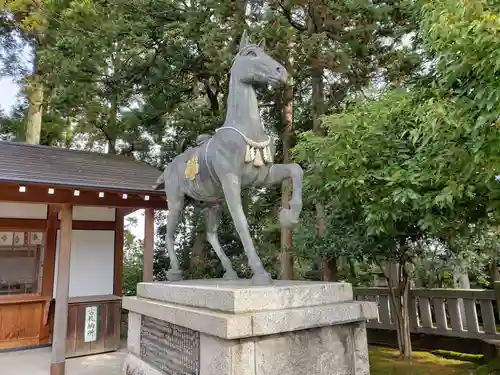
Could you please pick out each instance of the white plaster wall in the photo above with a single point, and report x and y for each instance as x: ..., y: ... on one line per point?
x: 23, y: 210
x: 92, y: 263
x: 89, y: 213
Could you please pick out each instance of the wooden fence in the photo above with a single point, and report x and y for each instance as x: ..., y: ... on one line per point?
x: 464, y: 313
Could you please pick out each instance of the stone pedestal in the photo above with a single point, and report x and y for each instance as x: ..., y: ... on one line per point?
x: 217, y: 327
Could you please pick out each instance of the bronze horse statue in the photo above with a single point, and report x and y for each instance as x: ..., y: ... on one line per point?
x: 240, y: 154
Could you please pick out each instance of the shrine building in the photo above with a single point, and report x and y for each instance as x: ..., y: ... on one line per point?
x: 61, y: 246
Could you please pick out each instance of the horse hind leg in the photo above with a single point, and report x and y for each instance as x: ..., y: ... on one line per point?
x: 212, y: 220
x: 175, y: 207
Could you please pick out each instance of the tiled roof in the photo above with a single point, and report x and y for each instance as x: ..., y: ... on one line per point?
x: 26, y: 163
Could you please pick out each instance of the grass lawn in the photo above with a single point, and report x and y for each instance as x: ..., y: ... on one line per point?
x: 384, y: 361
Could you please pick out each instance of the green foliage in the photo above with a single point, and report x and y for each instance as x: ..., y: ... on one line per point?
x: 469, y: 253
x: 419, y: 163
x: 345, y: 236
x: 464, y: 38
x: 489, y: 369
x: 130, y: 74
x: 407, y: 181
x: 466, y: 357
x: 133, y: 262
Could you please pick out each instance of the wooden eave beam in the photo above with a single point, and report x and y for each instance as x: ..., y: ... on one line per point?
x: 39, y: 194
x: 41, y: 224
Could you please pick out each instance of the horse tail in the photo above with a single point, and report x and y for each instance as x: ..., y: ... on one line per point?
x: 160, y: 181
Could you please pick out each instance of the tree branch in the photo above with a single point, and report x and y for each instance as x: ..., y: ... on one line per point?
x: 287, y: 13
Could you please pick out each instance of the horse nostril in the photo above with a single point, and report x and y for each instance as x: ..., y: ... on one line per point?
x: 278, y: 69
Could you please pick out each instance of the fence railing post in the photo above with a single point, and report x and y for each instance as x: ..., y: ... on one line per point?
x: 413, y: 310
x: 437, y: 311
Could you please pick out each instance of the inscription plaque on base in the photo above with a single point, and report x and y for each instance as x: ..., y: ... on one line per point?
x: 172, y: 349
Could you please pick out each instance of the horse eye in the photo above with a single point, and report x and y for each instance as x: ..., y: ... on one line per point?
x: 251, y: 53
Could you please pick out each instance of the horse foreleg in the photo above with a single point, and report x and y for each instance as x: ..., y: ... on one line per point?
x: 175, y: 207
x: 277, y: 174
x: 212, y: 219
x: 231, y: 186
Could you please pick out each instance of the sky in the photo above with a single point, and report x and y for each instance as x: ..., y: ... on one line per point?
x: 8, y: 97
x: 8, y: 93
x: 138, y: 230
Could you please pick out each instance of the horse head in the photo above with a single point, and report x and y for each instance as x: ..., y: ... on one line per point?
x: 253, y: 66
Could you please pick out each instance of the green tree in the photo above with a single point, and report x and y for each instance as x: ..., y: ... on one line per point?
x: 420, y: 162
x: 25, y: 26
x: 343, y: 47
x: 133, y: 260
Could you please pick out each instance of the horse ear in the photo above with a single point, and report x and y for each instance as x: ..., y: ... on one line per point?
x: 262, y: 44
x: 244, y: 40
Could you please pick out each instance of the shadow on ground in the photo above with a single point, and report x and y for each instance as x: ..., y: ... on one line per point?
x: 37, y: 362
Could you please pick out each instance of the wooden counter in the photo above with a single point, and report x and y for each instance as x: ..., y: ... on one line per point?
x: 24, y: 321
x: 27, y: 321
x: 108, y: 325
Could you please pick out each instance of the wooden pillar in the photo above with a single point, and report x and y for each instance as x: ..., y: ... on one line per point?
x: 49, y: 258
x: 118, y: 264
x: 149, y: 238
x: 57, y: 366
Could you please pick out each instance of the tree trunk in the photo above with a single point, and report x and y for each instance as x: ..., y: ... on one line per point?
x: 318, y: 109
x: 239, y: 24
x: 394, y: 300
x: 330, y: 270
x: 406, y: 349
x: 328, y: 267
x: 399, y: 297
x: 286, y: 257
x: 198, y: 254
x: 68, y: 135
x: 317, y: 105
x: 352, y: 269
x: 495, y: 275
x: 35, y: 85
x: 112, y: 126
x: 111, y: 146
x: 317, y: 69
x: 34, y: 116
x: 393, y: 270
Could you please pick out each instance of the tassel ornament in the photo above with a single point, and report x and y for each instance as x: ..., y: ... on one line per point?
x: 267, y: 154
x: 257, y: 152
x: 249, y: 154
x: 258, y: 162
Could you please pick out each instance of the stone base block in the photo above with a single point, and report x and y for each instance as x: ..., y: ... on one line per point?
x: 216, y: 327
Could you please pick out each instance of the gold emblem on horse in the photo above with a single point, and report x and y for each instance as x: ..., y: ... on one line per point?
x: 192, y: 168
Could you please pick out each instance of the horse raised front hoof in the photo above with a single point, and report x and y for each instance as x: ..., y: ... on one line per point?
x: 262, y: 279
x: 288, y: 218
x: 231, y: 275
x: 174, y: 275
